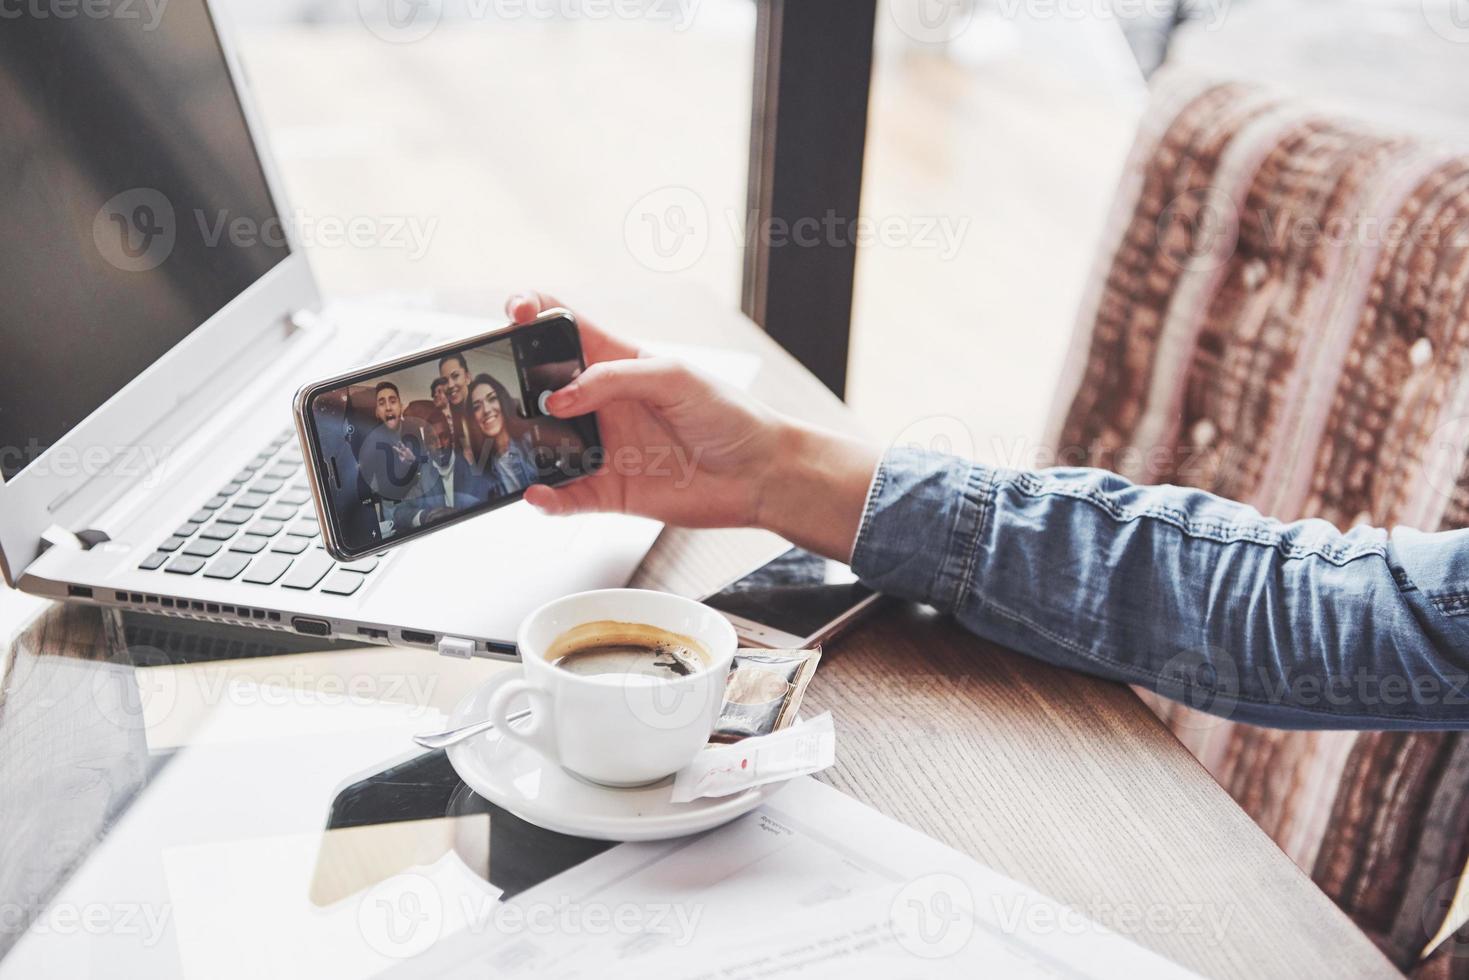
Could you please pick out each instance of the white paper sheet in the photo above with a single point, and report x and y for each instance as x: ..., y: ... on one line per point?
x: 811, y: 884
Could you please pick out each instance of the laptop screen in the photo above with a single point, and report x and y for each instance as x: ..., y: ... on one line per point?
x: 134, y: 206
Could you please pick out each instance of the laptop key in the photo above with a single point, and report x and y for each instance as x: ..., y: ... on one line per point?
x: 200, y: 517
x: 154, y: 560
x: 265, y: 527
x: 279, y: 512
x: 281, y: 471
x: 172, y: 544
x: 306, y: 527
x: 252, y: 500
x: 363, y: 565
x: 291, y: 546
x: 266, y: 485
x: 215, y: 503
x: 227, y: 566
x: 307, y: 571
x: 203, y: 548
x: 243, y: 477
x: 230, y: 489
x: 185, y: 529
x: 295, y: 497
x: 267, y: 568
x: 236, y: 515
x: 343, y: 583
x: 185, y: 565
x: 219, y: 532
x: 249, y: 544
x: 290, y: 456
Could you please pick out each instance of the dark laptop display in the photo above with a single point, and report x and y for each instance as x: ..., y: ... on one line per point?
x: 134, y: 206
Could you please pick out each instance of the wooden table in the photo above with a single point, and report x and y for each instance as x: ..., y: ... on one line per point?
x: 1065, y: 782
x: 1061, y: 781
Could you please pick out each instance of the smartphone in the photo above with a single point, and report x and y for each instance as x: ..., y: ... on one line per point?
x: 400, y: 449
x: 796, y: 601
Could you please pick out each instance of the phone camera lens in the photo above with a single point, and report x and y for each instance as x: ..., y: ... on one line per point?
x: 535, y: 344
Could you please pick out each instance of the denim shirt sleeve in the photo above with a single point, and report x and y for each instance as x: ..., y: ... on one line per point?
x: 1200, y: 599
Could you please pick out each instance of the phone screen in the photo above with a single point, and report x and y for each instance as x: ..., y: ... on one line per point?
x: 432, y: 441
x: 797, y: 593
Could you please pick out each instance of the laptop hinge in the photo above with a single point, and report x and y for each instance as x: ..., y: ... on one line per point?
x: 80, y: 541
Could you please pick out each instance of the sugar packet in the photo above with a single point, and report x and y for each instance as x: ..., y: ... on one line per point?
x: 720, y: 770
x: 764, y: 692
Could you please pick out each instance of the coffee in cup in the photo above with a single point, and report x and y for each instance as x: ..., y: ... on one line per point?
x: 610, y: 647
x: 624, y: 685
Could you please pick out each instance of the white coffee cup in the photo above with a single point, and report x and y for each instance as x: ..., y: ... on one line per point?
x: 623, y: 729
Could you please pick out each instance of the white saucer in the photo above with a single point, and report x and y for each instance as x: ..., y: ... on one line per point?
x: 514, y: 777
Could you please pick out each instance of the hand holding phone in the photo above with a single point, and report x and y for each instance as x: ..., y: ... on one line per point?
x: 399, y: 449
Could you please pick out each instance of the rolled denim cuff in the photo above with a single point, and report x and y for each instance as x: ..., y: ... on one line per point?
x: 921, y: 531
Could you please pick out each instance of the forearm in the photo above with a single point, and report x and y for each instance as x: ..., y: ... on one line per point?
x: 1199, y: 598
x: 816, y: 489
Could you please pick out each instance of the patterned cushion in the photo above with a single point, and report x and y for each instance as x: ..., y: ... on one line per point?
x: 1280, y: 314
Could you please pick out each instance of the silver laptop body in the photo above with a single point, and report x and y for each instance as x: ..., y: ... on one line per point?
x: 200, y: 436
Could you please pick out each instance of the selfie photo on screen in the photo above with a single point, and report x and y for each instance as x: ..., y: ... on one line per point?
x: 427, y: 442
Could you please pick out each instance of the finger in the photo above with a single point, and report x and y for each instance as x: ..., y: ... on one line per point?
x: 597, y: 344
x: 581, y: 497
x: 659, y: 381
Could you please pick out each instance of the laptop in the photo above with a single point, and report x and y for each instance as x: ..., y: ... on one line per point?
x: 157, y: 315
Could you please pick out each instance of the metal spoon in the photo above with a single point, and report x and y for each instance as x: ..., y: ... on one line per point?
x: 442, y: 740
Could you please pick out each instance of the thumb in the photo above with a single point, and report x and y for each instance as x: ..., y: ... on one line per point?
x: 658, y: 381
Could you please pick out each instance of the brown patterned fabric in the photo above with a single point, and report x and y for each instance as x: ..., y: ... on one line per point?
x: 1281, y: 316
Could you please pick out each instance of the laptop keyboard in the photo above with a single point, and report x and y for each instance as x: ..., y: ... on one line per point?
x: 261, y: 528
